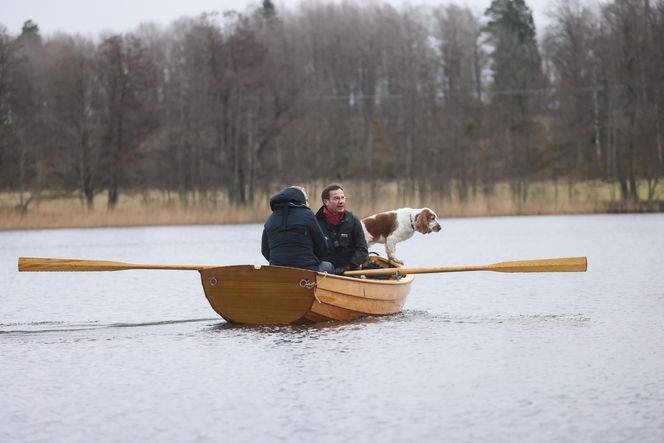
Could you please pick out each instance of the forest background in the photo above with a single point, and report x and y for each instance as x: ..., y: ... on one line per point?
x: 419, y: 106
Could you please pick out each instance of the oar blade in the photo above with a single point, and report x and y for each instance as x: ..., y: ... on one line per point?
x: 36, y: 264
x: 567, y: 264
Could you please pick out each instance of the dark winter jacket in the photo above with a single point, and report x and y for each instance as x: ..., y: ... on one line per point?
x: 291, y: 235
x: 347, y: 245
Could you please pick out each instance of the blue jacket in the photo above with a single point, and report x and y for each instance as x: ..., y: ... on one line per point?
x: 291, y: 235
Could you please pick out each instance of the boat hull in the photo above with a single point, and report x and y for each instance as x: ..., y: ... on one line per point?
x: 280, y: 295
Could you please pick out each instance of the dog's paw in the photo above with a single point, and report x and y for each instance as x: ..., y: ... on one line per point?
x: 395, y: 260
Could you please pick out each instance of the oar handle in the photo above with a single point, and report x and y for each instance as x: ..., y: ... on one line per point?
x: 36, y: 264
x: 568, y: 264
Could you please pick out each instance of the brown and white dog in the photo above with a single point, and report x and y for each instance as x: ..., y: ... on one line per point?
x: 395, y: 226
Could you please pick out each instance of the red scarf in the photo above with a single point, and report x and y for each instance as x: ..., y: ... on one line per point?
x: 332, y: 219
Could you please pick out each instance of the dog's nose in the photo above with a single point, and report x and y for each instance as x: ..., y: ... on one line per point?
x: 437, y: 228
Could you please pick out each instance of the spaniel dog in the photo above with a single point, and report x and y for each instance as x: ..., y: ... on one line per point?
x: 395, y: 226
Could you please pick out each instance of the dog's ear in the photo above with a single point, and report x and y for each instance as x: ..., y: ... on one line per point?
x: 429, y: 214
x: 422, y: 221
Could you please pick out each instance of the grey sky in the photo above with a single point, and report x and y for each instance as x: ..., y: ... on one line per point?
x: 91, y: 17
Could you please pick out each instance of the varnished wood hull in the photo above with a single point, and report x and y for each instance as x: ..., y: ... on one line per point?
x: 280, y: 295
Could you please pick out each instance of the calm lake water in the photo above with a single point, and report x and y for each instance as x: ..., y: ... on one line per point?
x: 477, y: 357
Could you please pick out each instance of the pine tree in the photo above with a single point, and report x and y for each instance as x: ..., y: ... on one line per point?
x: 518, y: 81
x: 516, y: 58
x: 30, y: 27
x: 269, y: 11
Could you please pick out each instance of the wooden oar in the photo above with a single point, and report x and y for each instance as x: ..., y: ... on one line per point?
x: 570, y: 264
x: 34, y: 264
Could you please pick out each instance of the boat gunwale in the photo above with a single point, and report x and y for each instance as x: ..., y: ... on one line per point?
x: 407, y: 278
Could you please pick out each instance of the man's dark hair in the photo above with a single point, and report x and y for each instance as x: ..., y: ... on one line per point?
x: 325, y: 195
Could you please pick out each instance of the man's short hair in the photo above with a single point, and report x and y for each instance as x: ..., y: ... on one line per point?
x: 325, y: 195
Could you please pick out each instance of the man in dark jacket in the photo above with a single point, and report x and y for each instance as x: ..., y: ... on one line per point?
x: 343, y: 230
x: 291, y: 235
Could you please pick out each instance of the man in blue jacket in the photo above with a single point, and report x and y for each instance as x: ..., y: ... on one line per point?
x: 291, y: 235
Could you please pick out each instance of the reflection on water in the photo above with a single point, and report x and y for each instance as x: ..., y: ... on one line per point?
x: 140, y: 355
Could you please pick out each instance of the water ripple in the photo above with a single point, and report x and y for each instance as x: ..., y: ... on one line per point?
x: 37, y: 327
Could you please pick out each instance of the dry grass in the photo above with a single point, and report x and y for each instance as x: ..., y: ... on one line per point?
x: 131, y: 210
x: 543, y: 199
x: 154, y: 208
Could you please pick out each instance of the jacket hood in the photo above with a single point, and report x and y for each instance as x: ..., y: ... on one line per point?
x: 288, y: 197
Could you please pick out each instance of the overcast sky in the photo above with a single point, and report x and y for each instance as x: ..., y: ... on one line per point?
x: 92, y: 17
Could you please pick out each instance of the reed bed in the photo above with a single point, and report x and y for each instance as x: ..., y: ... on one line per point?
x: 157, y: 208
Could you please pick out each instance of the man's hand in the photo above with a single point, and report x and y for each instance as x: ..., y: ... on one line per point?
x: 340, y: 270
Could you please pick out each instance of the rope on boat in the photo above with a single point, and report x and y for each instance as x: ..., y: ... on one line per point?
x: 316, y: 287
x: 307, y: 284
x: 304, y: 283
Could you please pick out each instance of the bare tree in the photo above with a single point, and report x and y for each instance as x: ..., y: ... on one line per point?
x: 72, y: 116
x: 461, y: 64
x: 569, y: 44
x: 128, y: 78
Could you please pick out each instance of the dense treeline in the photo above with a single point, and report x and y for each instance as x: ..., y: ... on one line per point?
x: 440, y: 100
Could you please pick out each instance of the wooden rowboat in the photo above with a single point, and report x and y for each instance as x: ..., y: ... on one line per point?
x: 254, y: 294
x: 281, y: 295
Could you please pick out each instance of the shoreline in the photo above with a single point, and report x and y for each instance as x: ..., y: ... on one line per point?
x: 157, y: 217
x: 154, y: 208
